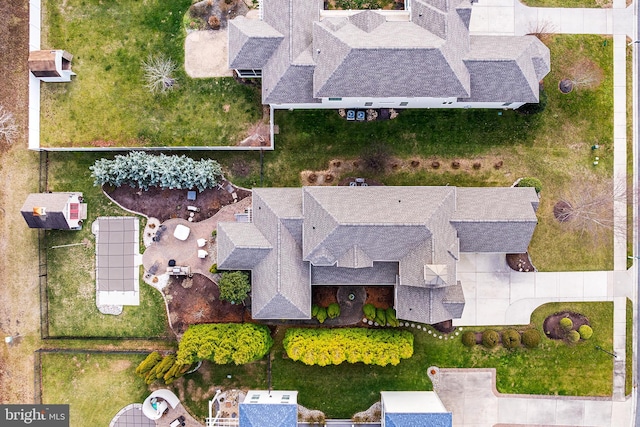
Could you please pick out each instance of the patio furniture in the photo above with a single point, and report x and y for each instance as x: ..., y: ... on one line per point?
x: 202, y: 253
x: 202, y: 242
x: 181, y: 232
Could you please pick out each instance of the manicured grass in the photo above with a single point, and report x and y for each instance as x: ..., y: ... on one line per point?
x: 554, y: 146
x: 552, y: 368
x: 107, y: 102
x: 198, y: 388
x: 71, y: 270
x: 628, y: 383
x: 96, y: 386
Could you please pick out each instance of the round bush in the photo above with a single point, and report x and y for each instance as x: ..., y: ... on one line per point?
x: 573, y: 336
x: 490, y: 338
x: 531, y: 338
x: 566, y: 324
x: 511, y: 338
x: 585, y: 332
x: 469, y: 339
x: 531, y: 182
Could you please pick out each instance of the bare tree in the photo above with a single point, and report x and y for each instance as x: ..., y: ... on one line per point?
x: 8, y: 126
x: 543, y: 30
x: 584, y: 76
x: 588, y: 207
x: 157, y: 73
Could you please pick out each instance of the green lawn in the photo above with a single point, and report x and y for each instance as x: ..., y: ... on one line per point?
x: 96, y: 386
x: 554, y: 146
x: 107, y: 103
x: 553, y: 368
x: 71, y: 277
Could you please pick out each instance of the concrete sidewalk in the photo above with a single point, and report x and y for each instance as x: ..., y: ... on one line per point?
x: 496, y: 295
x: 472, y: 397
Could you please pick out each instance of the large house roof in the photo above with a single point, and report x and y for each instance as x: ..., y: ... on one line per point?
x: 409, y: 237
x: 305, y: 57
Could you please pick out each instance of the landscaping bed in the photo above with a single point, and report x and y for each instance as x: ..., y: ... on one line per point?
x: 164, y: 203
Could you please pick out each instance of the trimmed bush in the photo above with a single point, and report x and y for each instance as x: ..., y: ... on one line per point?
x: 322, y: 314
x: 213, y: 269
x: 585, y: 332
x: 234, y: 286
x: 566, y: 324
x: 369, y: 311
x: 469, y: 339
x: 573, y: 336
x: 531, y: 182
x: 511, y: 339
x: 333, y: 310
x: 381, y: 317
x: 490, y: 338
x: 333, y: 346
x: 392, y: 320
x: 224, y: 343
x: 314, y: 310
x: 148, y: 363
x: 531, y: 338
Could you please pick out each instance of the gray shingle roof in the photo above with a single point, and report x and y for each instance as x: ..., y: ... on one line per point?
x: 485, y: 223
x: 430, y: 56
x: 370, y: 235
x: 509, y: 69
x: 251, y: 43
x: 240, y: 246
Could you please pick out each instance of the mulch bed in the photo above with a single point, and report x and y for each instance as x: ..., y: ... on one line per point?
x: 562, y: 211
x: 165, y: 204
x: 552, y: 327
x: 520, y: 262
x: 200, y: 303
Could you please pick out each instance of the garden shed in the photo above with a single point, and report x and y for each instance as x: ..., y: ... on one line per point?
x: 51, y: 65
x: 54, y: 211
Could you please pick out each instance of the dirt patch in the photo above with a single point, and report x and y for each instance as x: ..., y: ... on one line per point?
x: 199, y: 302
x: 552, y: 327
x: 165, y: 204
x: 380, y: 296
x: 562, y: 211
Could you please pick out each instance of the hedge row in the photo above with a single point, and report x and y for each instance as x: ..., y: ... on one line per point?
x: 224, y: 343
x: 334, y: 346
x: 381, y: 316
x: 155, y: 367
x: 510, y: 338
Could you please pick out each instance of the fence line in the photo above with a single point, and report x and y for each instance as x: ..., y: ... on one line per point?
x: 43, y: 184
x: 37, y: 377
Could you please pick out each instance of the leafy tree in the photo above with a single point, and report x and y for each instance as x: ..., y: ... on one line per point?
x: 224, y: 343
x: 531, y: 182
x: 141, y: 170
x: 234, y: 286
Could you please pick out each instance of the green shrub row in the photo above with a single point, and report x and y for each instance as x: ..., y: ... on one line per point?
x: 584, y: 332
x: 381, y: 316
x: 155, y: 367
x: 334, y: 346
x: 322, y: 313
x: 510, y: 338
x: 224, y: 343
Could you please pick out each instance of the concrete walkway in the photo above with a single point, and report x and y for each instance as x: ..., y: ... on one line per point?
x: 472, y: 397
x: 496, y: 295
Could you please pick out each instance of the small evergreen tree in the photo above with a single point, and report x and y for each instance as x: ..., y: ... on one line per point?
x: 148, y: 363
x: 234, y: 286
x: 333, y: 310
